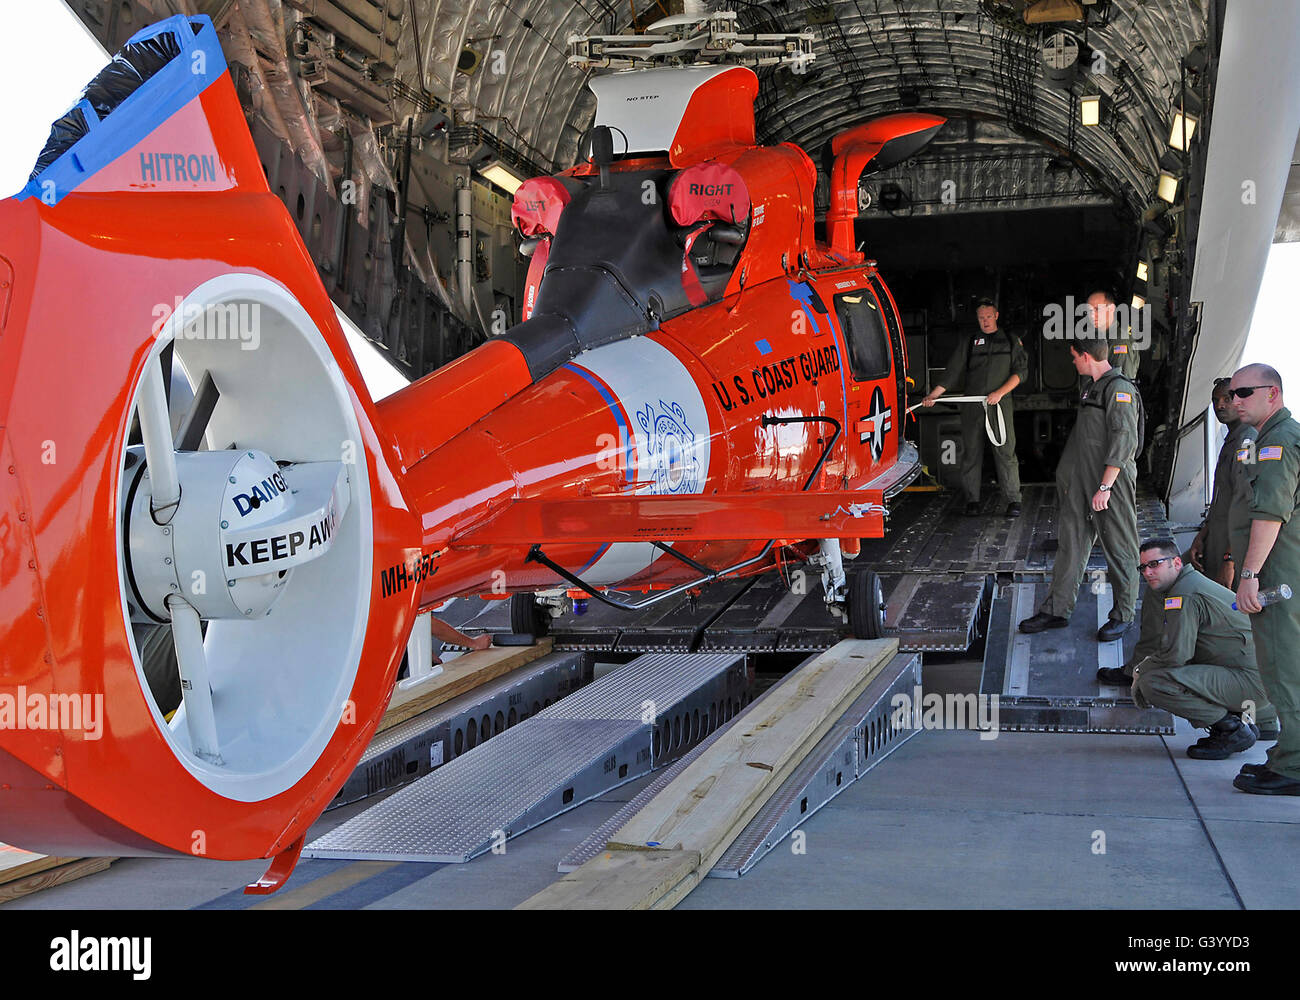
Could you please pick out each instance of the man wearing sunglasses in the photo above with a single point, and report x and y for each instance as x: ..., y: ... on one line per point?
x: 1096, y: 492
x: 1211, y: 552
x: 1195, y: 657
x: 1272, y: 557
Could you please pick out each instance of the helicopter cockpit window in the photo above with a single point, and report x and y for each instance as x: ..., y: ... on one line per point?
x: 864, y: 332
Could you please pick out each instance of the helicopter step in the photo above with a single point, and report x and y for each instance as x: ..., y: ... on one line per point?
x: 434, y: 738
x: 635, y: 718
x: 1047, y: 682
x: 860, y: 739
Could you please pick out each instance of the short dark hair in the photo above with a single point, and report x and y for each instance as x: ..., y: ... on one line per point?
x: 1165, y: 545
x: 986, y: 301
x: 1098, y: 349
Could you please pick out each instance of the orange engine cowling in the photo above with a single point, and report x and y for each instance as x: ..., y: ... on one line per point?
x: 190, y: 467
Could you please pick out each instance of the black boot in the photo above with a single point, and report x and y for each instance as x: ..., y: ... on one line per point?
x: 1042, y: 621
x: 1114, y: 675
x: 1112, y: 630
x: 1266, y: 782
x: 1227, y: 736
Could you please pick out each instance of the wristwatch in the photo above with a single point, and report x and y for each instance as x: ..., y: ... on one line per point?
x: 1103, y: 488
x: 1249, y: 574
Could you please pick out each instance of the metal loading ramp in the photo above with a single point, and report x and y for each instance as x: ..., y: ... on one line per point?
x: 645, y: 713
x: 860, y: 739
x: 1048, y: 682
x: 434, y: 738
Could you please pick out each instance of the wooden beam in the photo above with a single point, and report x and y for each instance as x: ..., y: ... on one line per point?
x: 640, y: 877
x: 66, y: 871
x: 16, y: 863
x: 701, y: 812
x: 740, y: 771
x: 462, y: 674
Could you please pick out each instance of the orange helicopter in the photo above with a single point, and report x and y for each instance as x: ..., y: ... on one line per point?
x: 699, y: 389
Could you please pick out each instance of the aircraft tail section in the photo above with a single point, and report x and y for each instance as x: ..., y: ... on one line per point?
x: 162, y: 116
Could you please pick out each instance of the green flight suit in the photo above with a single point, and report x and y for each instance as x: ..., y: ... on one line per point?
x: 1241, y: 497
x: 1125, y: 356
x: 978, y: 366
x: 1105, y: 433
x: 1231, y: 492
x: 1275, y: 477
x: 1196, y: 656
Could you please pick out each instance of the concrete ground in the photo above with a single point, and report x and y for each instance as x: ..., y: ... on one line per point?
x: 1027, y: 820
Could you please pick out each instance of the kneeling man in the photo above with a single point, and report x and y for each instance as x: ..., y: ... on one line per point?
x: 1195, y: 656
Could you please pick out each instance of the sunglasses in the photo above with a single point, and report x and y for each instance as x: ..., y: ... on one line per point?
x: 1143, y: 567
x: 1246, y: 391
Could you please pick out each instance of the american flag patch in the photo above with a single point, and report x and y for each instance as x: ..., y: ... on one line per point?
x: 1273, y: 452
x: 1173, y: 603
x: 1123, y: 397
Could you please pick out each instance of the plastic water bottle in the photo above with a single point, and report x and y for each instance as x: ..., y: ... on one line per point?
x: 1271, y: 596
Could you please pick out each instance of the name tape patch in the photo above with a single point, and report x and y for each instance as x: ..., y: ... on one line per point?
x: 1270, y: 454
x: 1173, y: 603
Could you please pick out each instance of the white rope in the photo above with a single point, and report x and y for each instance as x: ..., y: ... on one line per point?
x: 998, y: 439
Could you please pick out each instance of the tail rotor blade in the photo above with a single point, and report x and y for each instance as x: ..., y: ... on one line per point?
x: 190, y: 434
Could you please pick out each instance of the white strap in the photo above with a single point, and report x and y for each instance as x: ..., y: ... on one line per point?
x: 998, y: 439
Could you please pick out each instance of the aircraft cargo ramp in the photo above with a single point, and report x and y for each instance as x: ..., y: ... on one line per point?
x: 948, y: 581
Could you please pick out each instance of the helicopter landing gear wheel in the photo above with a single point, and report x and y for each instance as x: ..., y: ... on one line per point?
x: 527, y: 617
x: 866, y: 606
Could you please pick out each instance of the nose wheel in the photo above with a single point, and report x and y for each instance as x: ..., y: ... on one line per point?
x: 528, y: 617
x: 866, y: 606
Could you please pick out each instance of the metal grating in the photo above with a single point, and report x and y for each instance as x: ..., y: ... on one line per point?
x: 581, y: 747
x: 661, y: 678
x: 453, y: 814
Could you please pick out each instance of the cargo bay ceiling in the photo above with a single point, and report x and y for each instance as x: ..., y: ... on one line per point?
x: 961, y: 57
x: 500, y: 68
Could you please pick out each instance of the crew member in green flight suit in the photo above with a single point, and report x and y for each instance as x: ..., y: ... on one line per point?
x: 1195, y: 657
x: 1211, y: 551
x: 1096, y: 494
x: 991, y: 363
x: 1272, y: 558
x: 1123, y: 350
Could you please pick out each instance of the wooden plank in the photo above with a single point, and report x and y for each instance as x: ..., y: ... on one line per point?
x: 617, y: 880
x: 678, y: 892
x: 67, y: 872
x: 462, y: 674
x: 708, y: 805
x: 747, y: 764
x: 16, y: 863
